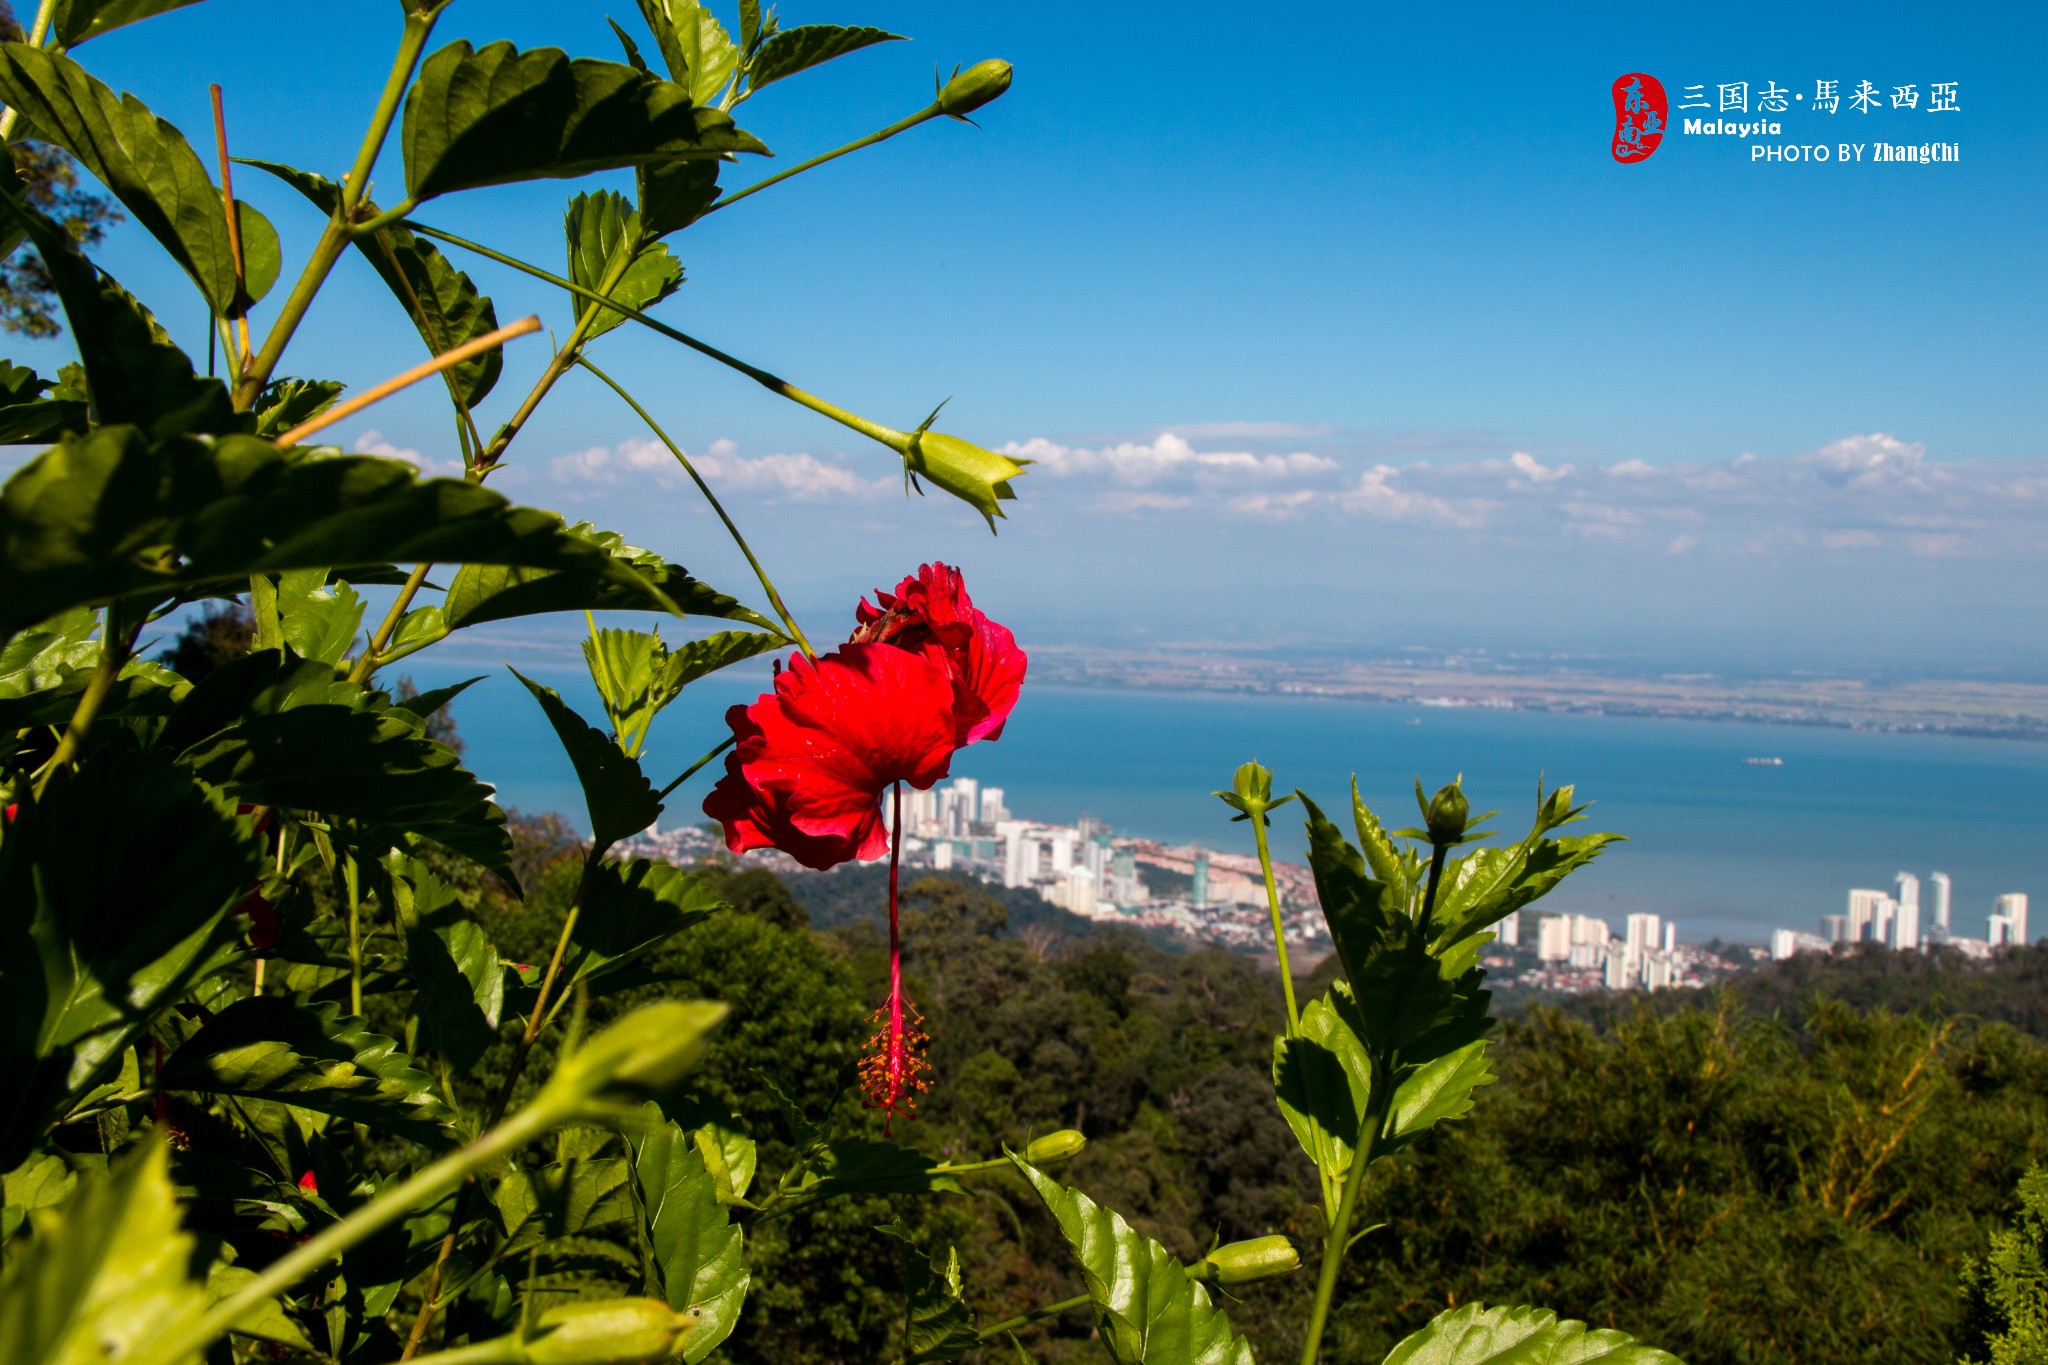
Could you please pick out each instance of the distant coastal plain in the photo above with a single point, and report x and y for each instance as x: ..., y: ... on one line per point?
x: 1963, y: 707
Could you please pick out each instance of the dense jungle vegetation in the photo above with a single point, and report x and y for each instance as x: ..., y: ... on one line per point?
x: 1794, y: 1168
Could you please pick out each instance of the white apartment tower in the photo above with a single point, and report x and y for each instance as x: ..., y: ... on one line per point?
x: 1510, y: 930
x: 1938, y: 882
x: 1870, y: 914
x: 2009, y: 920
x: 993, y: 811
x: 1554, y: 938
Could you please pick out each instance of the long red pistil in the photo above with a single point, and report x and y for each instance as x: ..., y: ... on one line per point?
x: 892, y: 1069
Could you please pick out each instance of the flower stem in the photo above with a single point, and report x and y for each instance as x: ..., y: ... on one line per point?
x: 923, y: 115
x: 114, y: 655
x: 774, y: 598
x: 1026, y: 1319
x: 897, y: 441
x: 691, y: 771
x: 335, y: 239
x: 36, y: 33
x: 1279, y: 936
x: 1337, y: 1237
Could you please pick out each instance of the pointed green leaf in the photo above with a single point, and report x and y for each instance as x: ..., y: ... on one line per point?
x: 1435, y: 1091
x: 937, y: 1324
x: 675, y: 194
x: 109, y: 515
x: 729, y: 1154
x: 442, y: 302
x: 1477, y: 1335
x: 319, y: 620
x: 799, y: 49
x: 699, y: 1256
x: 1322, y: 1081
x: 143, y: 159
x: 700, y: 55
x: 109, y: 1278
x: 604, y: 236
x: 481, y: 592
x: 1149, y: 1311
x: 133, y: 371
x: 629, y: 908
x: 562, y: 1199
x: 460, y: 978
x: 113, y: 887
x: 1488, y: 885
x: 45, y: 656
x: 1388, y: 863
x: 284, y: 403
x: 75, y: 21
x: 620, y: 798
x: 297, y: 1051
x: 495, y: 115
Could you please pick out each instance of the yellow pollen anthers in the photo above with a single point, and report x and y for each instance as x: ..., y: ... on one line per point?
x: 892, y: 1068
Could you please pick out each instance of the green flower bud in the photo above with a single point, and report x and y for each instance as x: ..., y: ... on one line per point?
x: 608, y: 1332
x: 1055, y: 1147
x: 1446, y: 813
x: 1251, y: 793
x: 1261, y: 1258
x: 641, y: 1057
x: 980, y: 478
x: 982, y: 83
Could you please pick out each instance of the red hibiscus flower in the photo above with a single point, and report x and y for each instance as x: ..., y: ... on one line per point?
x: 813, y: 757
x: 932, y: 614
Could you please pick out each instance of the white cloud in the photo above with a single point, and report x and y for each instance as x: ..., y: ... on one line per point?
x: 800, y: 477
x: 372, y: 442
x: 1535, y: 471
x: 1165, y: 457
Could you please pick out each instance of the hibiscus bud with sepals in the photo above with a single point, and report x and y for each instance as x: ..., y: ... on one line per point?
x: 1247, y: 1262
x: 1060, y: 1146
x: 642, y: 1057
x: 978, y: 477
x: 980, y: 84
x: 607, y: 1332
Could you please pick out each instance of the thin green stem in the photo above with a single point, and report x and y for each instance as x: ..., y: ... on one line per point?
x: 692, y: 770
x: 1337, y: 1236
x: 334, y: 240
x: 417, y: 1193
x: 774, y: 598
x: 558, y: 365
x: 924, y: 115
x: 1279, y: 934
x: 367, y: 665
x: 37, y: 32
x: 432, y: 1300
x: 897, y: 441
x: 351, y: 875
x: 1026, y: 1319
x: 114, y: 655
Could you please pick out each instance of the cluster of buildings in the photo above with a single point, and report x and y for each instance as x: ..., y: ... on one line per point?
x: 1088, y: 870
x: 1575, y: 953
x: 1893, y: 919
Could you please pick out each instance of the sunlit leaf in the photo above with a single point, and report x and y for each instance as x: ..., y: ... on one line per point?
x: 26, y: 416
x: 1322, y: 1081
x: 454, y: 963
x: 75, y: 21
x: 285, y: 403
x: 1477, y: 1335
x: 698, y: 1253
x: 483, y: 592
x: 603, y: 232
x: 799, y: 49
x: 108, y: 1278
x: 494, y: 115
x: 308, y: 1054
x: 700, y: 54
x: 1149, y: 1311
x: 1437, y: 1090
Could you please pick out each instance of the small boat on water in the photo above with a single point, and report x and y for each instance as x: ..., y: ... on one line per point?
x: 1765, y: 762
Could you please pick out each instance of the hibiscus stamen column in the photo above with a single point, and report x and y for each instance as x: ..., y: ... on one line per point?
x: 892, y: 1072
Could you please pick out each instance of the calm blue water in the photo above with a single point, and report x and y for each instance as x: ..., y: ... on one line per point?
x: 1723, y: 848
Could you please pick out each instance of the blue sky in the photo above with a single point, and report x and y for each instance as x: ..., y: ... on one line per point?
x: 1334, y: 323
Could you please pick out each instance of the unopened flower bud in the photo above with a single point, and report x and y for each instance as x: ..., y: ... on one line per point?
x: 982, y: 83
x: 974, y: 475
x: 1446, y: 813
x: 1261, y: 1258
x: 643, y: 1056
x: 1059, y: 1146
x: 607, y: 1332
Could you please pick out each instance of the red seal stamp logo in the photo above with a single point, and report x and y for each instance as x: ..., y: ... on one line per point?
x: 1640, y: 116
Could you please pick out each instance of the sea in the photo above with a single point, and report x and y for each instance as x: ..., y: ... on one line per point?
x: 1725, y: 847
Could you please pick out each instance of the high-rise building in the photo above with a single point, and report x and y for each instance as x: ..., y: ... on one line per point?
x: 1062, y: 853
x: 1124, y: 886
x: 1199, y: 894
x: 2009, y: 920
x: 1904, y: 929
x: 993, y: 811
x: 1020, y: 853
x: 1939, y: 883
x: 1834, y: 928
x: 1670, y: 939
x: 1510, y: 930
x: 942, y: 855
x: 1620, y: 968
x: 1554, y: 938
x: 1870, y: 915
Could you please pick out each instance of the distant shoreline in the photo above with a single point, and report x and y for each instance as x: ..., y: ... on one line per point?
x: 1948, y: 708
